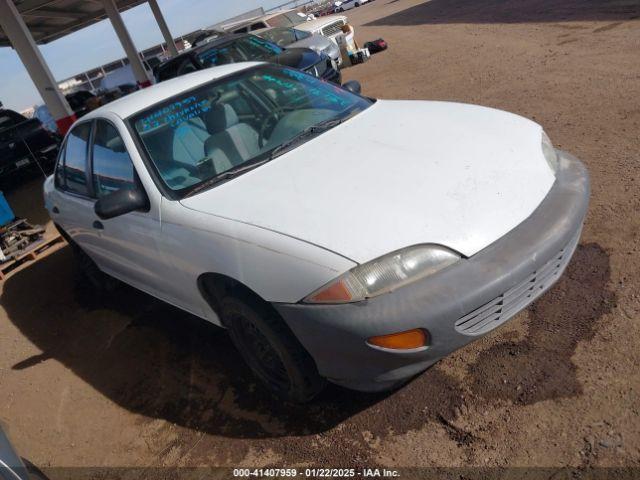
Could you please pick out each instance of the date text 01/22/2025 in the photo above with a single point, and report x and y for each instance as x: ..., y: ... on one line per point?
x: 316, y: 472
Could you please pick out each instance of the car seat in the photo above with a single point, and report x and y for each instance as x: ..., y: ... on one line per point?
x: 231, y: 142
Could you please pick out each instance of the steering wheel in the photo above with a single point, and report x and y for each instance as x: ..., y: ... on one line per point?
x: 272, y: 117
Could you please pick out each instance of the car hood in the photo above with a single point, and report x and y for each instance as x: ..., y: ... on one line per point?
x: 313, y: 42
x: 400, y: 173
x: 300, y: 58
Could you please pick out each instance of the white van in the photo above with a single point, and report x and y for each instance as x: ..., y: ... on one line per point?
x: 281, y: 18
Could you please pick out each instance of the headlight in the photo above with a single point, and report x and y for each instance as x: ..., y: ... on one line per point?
x: 385, y: 274
x: 549, y: 153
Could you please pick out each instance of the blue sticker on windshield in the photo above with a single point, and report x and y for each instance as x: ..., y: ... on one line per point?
x: 263, y: 43
x: 173, y: 114
x: 331, y: 95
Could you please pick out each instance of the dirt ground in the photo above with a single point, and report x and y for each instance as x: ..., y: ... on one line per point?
x: 128, y: 381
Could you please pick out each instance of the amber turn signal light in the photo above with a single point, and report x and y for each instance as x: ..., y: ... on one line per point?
x: 408, y: 340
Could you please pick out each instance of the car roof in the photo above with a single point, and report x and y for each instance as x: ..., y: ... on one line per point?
x: 221, y: 40
x: 142, y: 99
x: 249, y: 21
x: 266, y: 29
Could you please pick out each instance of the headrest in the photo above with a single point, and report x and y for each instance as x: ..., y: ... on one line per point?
x: 116, y: 144
x: 220, y: 117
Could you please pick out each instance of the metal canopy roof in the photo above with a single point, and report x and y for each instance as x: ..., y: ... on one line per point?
x: 51, y: 19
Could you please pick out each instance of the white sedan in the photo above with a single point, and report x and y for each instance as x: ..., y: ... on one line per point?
x: 335, y: 236
x: 343, y: 5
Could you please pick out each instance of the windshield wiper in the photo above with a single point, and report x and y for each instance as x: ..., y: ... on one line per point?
x: 311, y: 130
x: 277, y: 151
x: 225, y: 176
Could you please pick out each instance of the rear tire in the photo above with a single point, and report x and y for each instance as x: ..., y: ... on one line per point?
x: 270, y: 349
x: 87, y: 268
x: 90, y: 271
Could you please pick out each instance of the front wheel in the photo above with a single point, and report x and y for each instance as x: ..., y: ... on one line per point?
x: 270, y: 349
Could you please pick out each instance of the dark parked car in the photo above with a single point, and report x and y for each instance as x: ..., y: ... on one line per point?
x: 78, y: 101
x: 248, y: 48
x: 23, y: 141
x: 205, y: 36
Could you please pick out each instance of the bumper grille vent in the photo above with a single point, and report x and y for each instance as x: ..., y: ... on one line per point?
x: 502, y: 308
x: 332, y: 28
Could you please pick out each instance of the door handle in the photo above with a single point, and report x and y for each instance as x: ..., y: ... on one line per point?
x: 55, y: 209
x: 98, y: 225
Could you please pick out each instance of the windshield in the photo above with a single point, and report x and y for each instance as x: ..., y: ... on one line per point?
x: 283, y: 36
x: 234, y: 122
x: 244, y: 49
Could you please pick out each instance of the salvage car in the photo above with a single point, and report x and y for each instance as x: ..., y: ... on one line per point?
x: 25, y: 144
x: 234, y: 48
x: 221, y: 193
x: 292, y: 38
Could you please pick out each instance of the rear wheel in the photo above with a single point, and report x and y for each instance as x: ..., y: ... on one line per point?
x: 88, y: 269
x: 270, y: 348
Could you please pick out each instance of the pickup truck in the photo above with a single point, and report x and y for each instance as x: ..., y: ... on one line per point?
x: 25, y: 143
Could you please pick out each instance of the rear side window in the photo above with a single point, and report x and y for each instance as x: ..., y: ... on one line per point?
x: 112, y: 167
x: 258, y: 26
x: 75, y: 160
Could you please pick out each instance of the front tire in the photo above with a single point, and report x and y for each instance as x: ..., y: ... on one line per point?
x: 270, y: 349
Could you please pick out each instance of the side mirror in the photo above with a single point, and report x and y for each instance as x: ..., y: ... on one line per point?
x: 121, y: 202
x: 353, y: 86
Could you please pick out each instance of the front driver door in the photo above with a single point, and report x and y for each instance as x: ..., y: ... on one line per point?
x: 127, y: 248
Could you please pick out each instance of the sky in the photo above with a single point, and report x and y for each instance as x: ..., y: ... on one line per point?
x: 98, y: 44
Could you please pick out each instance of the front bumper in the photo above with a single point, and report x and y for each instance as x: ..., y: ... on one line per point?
x: 457, y: 305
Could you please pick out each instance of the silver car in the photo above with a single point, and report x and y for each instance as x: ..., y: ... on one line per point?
x: 293, y: 38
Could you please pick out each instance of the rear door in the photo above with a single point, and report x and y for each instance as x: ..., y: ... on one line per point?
x: 71, y: 203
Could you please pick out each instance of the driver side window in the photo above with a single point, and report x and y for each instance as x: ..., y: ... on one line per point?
x: 112, y: 166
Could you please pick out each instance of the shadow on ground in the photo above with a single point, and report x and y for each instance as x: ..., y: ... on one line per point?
x: 522, y: 11
x: 154, y: 359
